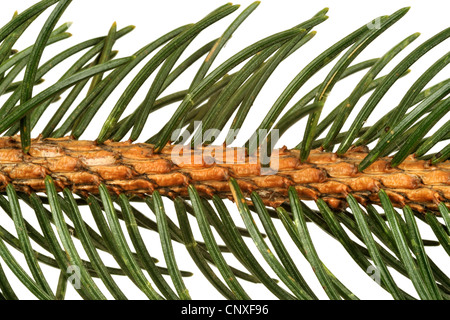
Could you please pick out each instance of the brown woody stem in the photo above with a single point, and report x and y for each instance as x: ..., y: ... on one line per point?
x: 134, y: 168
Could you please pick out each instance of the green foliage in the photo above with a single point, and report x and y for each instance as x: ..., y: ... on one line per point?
x: 387, y: 241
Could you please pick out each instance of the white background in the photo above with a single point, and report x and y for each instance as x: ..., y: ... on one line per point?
x: 154, y: 18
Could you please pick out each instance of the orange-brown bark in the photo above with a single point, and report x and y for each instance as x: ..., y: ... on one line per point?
x: 135, y: 169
